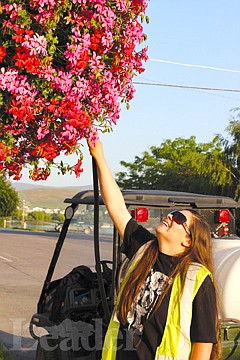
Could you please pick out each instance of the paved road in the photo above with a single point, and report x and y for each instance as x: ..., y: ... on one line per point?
x: 24, y: 261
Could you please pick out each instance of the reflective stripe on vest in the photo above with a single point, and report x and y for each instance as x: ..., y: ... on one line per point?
x: 175, y: 344
x: 110, y: 341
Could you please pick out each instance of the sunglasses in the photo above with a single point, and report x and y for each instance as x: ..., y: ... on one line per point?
x: 180, y: 219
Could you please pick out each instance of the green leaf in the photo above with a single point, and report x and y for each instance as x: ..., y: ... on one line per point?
x: 147, y: 19
x: 1, y: 99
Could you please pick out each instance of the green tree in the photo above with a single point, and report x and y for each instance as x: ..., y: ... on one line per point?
x: 17, y: 214
x: 39, y: 216
x: 181, y: 165
x: 57, y: 217
x: 232, y: 150
x: 8, y: 198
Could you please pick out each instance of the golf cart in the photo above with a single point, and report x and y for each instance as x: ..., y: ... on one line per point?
x: 75, y: 310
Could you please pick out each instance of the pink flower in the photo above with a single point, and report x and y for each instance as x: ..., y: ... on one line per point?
x: 37, y: 44
x: 66, y: 65
x: 105, y: 15
x: 93, y: 136
x: 41, y: 133
x: 69, y: 132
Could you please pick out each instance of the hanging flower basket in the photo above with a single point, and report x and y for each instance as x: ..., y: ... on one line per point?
x: 65, y: 66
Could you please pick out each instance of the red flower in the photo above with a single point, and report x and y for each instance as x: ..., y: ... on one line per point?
x: 32, y: 64
x: 15, y: 169
x: 19, y: 36
x: 96, y: 40
x: 80, y: 119
x: 26, y: 61
x: 3, y: 53
x: 21, y: 112
x: 39, y: 173
x: 29, y: 32
x: 78, y: 168
x: 129, y: 48
x: 21, y: 57
x: 2, y: 152
x: 65, y: 65
x: 47, y: 150
x: 53, y: 105
x: 83, y: 61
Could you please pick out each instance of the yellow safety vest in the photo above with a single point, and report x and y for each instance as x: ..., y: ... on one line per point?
x: 176, y: 343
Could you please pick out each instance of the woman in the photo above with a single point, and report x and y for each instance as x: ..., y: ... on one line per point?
x: 166, y: 306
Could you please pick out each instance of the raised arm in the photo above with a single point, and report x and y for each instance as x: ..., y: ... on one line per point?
x: 201, y: 351
x: 110, y: 191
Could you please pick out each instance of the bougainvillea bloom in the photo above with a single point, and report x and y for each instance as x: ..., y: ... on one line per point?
x: 65, y: 66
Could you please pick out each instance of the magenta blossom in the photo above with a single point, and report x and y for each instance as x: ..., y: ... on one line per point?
x: 65, y: 67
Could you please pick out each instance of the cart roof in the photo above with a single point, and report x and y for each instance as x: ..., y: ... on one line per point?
x: 161, y: 198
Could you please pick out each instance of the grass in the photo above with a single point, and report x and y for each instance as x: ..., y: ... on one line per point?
x: 47, y: 197
x: 4, y: 353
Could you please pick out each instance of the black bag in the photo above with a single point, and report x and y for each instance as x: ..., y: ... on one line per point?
x: 72, y: 313
x: 71, y: 289
x: 76, y: 295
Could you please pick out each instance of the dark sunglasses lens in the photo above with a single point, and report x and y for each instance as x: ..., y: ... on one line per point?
x: 178, y: 217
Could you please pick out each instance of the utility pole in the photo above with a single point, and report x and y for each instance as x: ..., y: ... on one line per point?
x: 23, y: 214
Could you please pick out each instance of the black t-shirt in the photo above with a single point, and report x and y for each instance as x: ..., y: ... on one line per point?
x: 139, y: 339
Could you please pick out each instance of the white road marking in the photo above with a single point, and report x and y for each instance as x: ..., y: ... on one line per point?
x: 6, y: 259
x: 6, y: 254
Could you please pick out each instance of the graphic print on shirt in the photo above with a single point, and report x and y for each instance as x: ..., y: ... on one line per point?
x: 146, y: 300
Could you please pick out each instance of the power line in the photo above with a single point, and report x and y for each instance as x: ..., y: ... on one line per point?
x: 186, y: 86
x: 195, y: 66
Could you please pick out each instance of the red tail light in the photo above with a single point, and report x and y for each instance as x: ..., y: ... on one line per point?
x: 140, y: 214
x: 222, y: 216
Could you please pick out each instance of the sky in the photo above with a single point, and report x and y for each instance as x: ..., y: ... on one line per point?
x: 204, y: 33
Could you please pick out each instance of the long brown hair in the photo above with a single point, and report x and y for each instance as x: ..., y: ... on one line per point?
x: 200, y: 252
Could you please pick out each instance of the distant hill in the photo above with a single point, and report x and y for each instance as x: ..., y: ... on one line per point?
x: 47, y: 197
x: 24, y: 186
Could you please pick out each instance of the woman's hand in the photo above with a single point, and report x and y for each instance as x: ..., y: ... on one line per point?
x: 97, y: 150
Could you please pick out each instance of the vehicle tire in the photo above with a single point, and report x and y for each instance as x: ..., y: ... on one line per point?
x: 43, y: 354
x: 87, y: 230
